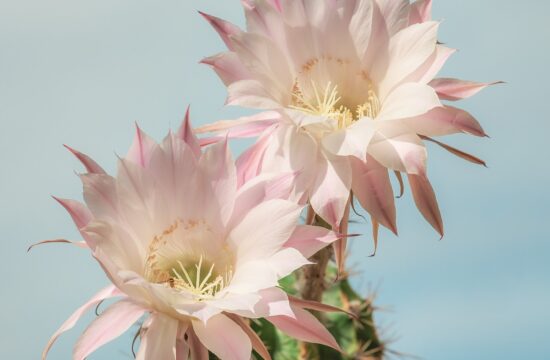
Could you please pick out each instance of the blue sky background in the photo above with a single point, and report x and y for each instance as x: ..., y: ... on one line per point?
x: 81, y: 72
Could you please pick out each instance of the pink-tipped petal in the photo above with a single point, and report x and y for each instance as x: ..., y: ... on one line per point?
x: 224, y: 28
x: 186, y: 134
x: 159, y: 340
x: 90, y: 165
x: 420, y: 11
x: 249, y: 164
x: 228, y: 66
x: 142, y: 148
x: 257, y: 343
x: 112, y: 323
x: 109, y: 292
x: 455, y: 89
x: 372, y: 187
x: 224, y: 338
x: 310, y: 239
x: 80, y: 214
x: 197, y: 350
x: 446, y: 120
x: 305, y: 327
x: 425, y: 200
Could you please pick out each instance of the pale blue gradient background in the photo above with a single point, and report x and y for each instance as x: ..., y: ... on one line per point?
x: 81, y: 72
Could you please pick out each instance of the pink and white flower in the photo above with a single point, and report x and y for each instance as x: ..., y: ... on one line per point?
x: 193, y: 250
x: 349, y: 92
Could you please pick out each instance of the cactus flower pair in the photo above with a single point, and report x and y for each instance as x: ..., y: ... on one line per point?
x: 195, y: 245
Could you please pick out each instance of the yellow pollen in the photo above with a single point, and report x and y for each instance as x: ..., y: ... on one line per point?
x: 326, y: 103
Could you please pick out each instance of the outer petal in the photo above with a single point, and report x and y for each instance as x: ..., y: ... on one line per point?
x: 228, y: 66
x: 445, y: 121
x: 186, y: 134
x: 78, y: 211
x: 109, y: 292
x: 425, y: 200
x: 224, y: 28
x: 372, y: 187
x: 304, y: 327
x: 112, y: 323
x: 309, y: 239
x: 454, y: 89
x: 331, y: 190
x: 142, y: 148
x: 90, y: 165
x: 249, y: 164
x: 159, y: 341
x: 224, y: 338
x: 408, y: 100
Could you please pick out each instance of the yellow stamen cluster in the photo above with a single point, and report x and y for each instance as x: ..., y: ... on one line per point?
x: 327, y: 103
x: 190, y: 273
x: 202, y: 286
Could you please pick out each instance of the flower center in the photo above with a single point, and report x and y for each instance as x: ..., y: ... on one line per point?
x: 328, y: 102
x: 199, y: 278
x: 186, y: 257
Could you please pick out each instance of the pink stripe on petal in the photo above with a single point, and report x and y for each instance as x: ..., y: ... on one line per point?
x: 142, y: 148
x: 108, y: 292
x: 90, y: 165
x: 249, y: 164
x: 228, y: 66
x: 109, y: 325
x: 224, y: 28
x: 80, y: 214
x: 446, y: 120
x: 186, y: 134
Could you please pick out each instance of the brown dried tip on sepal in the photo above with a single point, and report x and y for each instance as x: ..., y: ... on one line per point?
x: 461, y: 154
